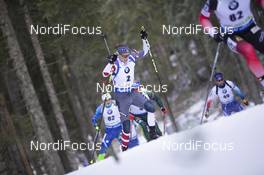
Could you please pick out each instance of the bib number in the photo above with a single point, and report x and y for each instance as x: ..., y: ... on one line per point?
x: 110, y: 118
x: 226, y: 96
x: 236, y: 16
x: 128, y: 78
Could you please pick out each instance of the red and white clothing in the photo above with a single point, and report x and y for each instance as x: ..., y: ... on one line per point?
x: 245, y: 35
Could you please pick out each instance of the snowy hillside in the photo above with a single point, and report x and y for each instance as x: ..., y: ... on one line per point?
x: 232, y: 145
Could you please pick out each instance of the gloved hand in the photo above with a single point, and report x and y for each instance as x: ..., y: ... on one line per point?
x: 220, y: 37
x: 97, y: 128
x: 113, y: 68
x: 206, y: 114
x: 112, y: 58
x: 163, y: 110
x: 143, y: 34
x: 94, y: 122
x: 245, y: 102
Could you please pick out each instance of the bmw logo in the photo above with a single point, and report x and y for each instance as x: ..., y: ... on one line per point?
x: 233, y: 5
x: 110, y: 111
x: 127, y: 70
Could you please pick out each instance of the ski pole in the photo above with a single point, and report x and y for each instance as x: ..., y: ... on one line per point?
x: 210, y: 80
x: 164, y: 124
x: 106, y: 44
x: 98, y: 128
x: 111, y: 149
x: 160, y: 83
x: 109, y: 81
x: 100, y: 121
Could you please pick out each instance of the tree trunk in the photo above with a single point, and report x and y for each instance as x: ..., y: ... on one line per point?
x: 14, y: 94
x: 40, y: 126
x: 18, y: 109
x: 71, y: 156
x: 80, y: 91
x: 10, y: 126
x: 74, y: 96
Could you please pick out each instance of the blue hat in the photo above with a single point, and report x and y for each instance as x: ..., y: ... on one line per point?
x: 218, y: 76
x: 122, y: 49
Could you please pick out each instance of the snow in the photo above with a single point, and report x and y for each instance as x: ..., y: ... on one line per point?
x: 192, y: 117
x: 229, y: 145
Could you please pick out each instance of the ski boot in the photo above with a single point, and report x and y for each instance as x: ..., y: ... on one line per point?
x: 145, y: 130
x: 152, y: 133
x: 101, y: 157
x: 124, y: 148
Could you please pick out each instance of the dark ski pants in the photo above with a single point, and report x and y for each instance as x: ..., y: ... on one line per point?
x: 142, y: 120
x: 124, y: 101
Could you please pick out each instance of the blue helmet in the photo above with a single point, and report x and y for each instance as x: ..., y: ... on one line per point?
x: 123, y: 49
x: 218, y: 76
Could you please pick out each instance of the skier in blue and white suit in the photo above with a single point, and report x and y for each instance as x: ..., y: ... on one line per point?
x: 226, y: 91
x: 112, y: 121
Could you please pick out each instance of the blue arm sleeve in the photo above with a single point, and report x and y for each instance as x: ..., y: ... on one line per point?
x: 143, y: 52
x: 98, y: 112
x: 137, y: 54
x: 238, y: 92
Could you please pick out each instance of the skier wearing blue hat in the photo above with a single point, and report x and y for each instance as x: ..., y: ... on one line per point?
x: 226, y: 91
x: 121, y: 67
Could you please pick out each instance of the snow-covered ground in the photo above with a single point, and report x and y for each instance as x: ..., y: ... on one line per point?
x: 191, y: 117
x: 230, y: 145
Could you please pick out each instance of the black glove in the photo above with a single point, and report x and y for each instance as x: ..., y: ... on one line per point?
x: 245, y: 102
x: 112, y: 58
x: 163, y: 110
x: 206, y: 114
x: 143, y: 34
x: 220, y: 37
